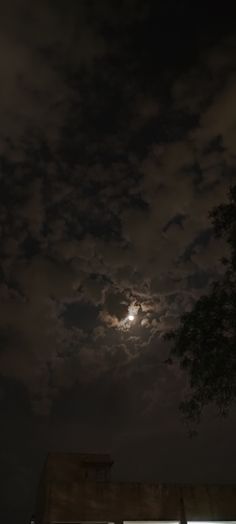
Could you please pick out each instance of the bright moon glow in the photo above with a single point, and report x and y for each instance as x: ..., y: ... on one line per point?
x: 131, y: 318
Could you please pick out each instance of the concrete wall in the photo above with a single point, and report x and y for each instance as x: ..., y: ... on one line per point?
x: 67, y: 497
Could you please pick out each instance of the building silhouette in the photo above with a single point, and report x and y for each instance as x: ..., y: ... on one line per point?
x: 76, y: 488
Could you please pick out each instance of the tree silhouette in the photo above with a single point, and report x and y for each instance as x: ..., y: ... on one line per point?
x: 204, y: 343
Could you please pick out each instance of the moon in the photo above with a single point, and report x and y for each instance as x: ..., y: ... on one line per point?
x: 131, y: 318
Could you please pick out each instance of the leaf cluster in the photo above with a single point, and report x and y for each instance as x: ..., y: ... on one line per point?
x: 204, y: 343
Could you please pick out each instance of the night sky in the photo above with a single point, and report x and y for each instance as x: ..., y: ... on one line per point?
x: 117, y: 137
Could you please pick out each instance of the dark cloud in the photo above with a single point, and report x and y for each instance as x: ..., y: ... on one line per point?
x: 82, y: 315
x: 88, y: 228
x: 117, y: 138
x: 117, y: 305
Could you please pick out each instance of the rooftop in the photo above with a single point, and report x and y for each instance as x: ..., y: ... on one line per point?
x: 77, y: 488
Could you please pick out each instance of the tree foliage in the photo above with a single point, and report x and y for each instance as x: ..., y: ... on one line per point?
x: 204, y: 343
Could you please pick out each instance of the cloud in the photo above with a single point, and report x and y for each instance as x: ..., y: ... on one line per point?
x: 114, y: 146
x: 34, y: 94
x: 97, y: 222
x: 219, y: 120
x: 33, y: 352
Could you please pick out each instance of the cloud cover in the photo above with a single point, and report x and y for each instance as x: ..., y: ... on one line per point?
x: 115, y: 144
x: 87, y: 216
